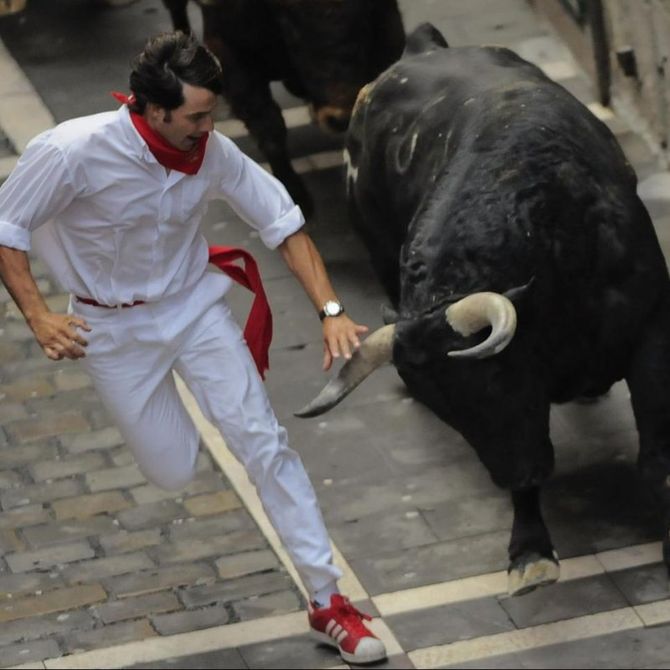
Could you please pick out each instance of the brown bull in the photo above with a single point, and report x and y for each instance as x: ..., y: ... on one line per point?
x: 323, y: 51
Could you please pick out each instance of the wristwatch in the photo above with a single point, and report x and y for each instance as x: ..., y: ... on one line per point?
x: 331, y: 308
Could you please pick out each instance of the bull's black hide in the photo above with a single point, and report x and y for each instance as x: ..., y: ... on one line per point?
x: 322, y: 50
x: 469, y: 171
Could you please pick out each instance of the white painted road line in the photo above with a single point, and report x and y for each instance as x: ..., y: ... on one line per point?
x: 572, y: 630
x: 631, y: 557
x: 320, y: 161
x: 272, y: 628
x: 293, y: 117
x: 495, y: 583
x: 654, y: 614
x: 434, y: 595
x: 153, y: 649
x: 22, y: 112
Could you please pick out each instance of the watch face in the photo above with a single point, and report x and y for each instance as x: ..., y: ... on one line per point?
x: 332, y: 308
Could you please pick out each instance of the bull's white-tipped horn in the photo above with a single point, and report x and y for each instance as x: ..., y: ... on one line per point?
x: 375, y: 351
x: 477, y: 311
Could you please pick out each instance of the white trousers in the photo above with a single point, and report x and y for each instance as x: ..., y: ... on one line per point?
x: 131, y: 356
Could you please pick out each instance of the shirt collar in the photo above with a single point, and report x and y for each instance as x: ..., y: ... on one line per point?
x: 138, y: 145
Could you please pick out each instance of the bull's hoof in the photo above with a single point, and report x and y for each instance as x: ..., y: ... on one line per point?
x: 530, y: 571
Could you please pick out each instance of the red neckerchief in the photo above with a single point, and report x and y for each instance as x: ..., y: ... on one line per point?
x: 168, y: 156
x: 258, y: 329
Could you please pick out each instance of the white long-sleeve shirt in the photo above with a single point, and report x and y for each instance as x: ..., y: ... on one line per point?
x: 112, y: 225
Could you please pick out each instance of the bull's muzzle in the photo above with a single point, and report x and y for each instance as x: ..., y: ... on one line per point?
x: 332, y: 119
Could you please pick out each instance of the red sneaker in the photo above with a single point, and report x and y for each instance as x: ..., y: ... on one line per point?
x: 341, y: 626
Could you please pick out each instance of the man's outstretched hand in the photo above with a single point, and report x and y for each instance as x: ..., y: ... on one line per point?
x: 340, y: 338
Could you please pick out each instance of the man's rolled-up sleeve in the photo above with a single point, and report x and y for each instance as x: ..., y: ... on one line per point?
x: 38, y: 189
x: 258, y: 197
x: 274, y: 234
x: 14, y: 236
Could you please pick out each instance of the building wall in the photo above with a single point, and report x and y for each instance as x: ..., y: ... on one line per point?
x: 638, y: 41
x: 644, y: 27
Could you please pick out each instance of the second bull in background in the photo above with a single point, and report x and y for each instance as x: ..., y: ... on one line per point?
x: 323, y: 52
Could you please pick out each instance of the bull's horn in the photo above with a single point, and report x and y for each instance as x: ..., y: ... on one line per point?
x: 477, y: 311
x: 375, y: 351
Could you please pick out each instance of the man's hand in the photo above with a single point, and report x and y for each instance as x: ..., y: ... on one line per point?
x: 340, y: 337
x: 57, y: 335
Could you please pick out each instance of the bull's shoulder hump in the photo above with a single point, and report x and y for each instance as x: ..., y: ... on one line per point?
x: 475, y: 60
x: 467, y: 62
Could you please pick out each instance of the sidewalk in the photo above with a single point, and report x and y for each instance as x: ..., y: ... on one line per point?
x: 101, y: 569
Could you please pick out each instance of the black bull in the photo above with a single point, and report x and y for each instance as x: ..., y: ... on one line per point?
x: 490, y: 197
x: 323, y: 51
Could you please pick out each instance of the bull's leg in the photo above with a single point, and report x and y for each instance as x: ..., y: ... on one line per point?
x: 248, y: 93
x: 178, y: 14
x: 516, y: 448
x: 269, y: 130
x: 533, y: 561
x: 649, y: 383
x: 251, y: 101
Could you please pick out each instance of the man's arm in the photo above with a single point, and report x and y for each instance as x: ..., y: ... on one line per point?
x: 55, y: 333
x: 38, y: 189
x: 340, y: 333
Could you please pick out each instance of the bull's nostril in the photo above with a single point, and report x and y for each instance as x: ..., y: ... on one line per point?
x: 337, y: 124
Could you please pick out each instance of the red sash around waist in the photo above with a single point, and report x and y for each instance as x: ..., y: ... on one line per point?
x: 258, y: 329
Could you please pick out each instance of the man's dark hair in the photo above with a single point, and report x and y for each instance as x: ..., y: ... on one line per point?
x: 168, y: 61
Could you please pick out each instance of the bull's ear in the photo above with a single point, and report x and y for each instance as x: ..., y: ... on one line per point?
x: 425, y: 37
x: 518, y: 293
x: 389, y: 315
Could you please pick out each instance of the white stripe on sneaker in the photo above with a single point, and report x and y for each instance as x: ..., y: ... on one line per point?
x: 336, y: 631
x: 331, y: 624
x: 341, y: 636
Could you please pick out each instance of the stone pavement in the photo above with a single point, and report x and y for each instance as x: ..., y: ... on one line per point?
x: 100, y: 569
